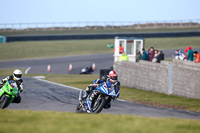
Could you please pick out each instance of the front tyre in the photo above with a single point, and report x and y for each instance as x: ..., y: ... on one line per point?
x: 79, y: 108
x: 99, y: 105
x: 5, y: 102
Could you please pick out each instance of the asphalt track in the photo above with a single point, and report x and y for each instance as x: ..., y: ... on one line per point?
x: 40, y: 94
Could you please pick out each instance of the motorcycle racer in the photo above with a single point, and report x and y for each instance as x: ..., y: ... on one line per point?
x: 17, y: 74
x: 112, y: 81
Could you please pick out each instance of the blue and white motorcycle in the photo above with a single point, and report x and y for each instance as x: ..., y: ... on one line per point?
x: 103, y: 97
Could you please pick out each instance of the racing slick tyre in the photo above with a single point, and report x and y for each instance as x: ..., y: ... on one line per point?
x: 4, y: 102
x: 99, y: 105
x: 79, y: 108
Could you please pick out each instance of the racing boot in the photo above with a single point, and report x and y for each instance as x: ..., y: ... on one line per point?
x: 107, y: 106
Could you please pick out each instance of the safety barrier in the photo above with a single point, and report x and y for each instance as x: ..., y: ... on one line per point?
x: 102, y: 36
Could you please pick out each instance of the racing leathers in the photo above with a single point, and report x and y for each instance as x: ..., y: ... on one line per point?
x: 93, y: 96
x: 19, y: 86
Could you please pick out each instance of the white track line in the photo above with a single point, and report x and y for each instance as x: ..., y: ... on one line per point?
x: 74, y: 88
x: 26, y: 71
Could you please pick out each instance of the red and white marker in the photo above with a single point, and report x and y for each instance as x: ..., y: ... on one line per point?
x: 93, y: 66
x: 48, y: 68
x: 70, y: 67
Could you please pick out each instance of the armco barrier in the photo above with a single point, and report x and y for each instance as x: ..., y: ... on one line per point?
x: 178, y: 77
x: 102, y: 36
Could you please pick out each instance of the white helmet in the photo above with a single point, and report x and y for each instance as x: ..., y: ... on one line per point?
x: 17, y: 74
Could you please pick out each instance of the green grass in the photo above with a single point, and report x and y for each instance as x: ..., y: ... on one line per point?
x: 41, y: 49
x: 88, y: 31
x: 173, y: 43
x: 79, y: 81
x: 159, y: 99
x: 62, y: 122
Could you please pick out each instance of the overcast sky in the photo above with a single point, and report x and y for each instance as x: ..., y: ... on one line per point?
x: 23, y: 11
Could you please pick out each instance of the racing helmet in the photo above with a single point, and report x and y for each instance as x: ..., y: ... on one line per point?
x: 17, y: 74
x: 113, y: 76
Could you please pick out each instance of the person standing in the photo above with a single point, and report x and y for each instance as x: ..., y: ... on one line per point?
x: 190, y: 55
x: 155, y: 56
x: 121, y: 49
x: 186, y: 53
x: 144, y: 54
x: 197, y: 56
x: 151, y: 53
x: 179, y: 55
x: 159, y: 57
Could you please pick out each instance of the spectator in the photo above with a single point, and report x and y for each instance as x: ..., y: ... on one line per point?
x: 186, y: 53
x: 144, y: 54
x: 155, y: 56
x: 148, y: 54
x: 123, y: 57
x: 197, y: 56
x: 151, y: 53
x: 138, y: 56
x: 190, y: 55
x: 179, y: 55
x: 159, y: 57
x: 121, y: 49
x: 162, y: 55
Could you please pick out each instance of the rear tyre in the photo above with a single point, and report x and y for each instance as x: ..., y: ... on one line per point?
x: 5, y: 102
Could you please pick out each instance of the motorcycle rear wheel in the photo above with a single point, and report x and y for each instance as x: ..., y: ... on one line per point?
x: 5, y: 102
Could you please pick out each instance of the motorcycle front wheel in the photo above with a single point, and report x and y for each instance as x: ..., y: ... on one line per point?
x: 99, y: 105
x: 4, y: 102
x: 79, y: 108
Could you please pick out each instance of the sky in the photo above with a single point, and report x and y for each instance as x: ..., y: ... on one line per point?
x: 32, y: 11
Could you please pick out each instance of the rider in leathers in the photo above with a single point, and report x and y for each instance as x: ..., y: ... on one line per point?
x: 17, y: 74
x: 112, y: 81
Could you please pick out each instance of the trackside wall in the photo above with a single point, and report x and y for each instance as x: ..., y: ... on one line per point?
x: 186, y: 79
x: 178, y: 77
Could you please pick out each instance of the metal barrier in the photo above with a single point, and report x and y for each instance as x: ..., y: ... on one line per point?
x: 102, y: 36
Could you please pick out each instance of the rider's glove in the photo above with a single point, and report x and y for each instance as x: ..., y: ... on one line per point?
x: 96, y: 81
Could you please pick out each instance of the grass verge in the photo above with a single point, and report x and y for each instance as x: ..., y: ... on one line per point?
x: 42, y: 49
x: 60, y: 122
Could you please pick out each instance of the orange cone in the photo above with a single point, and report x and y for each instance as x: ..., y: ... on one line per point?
x: 93, y: 66
x: 48, y: 68
x: 70, y: 67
